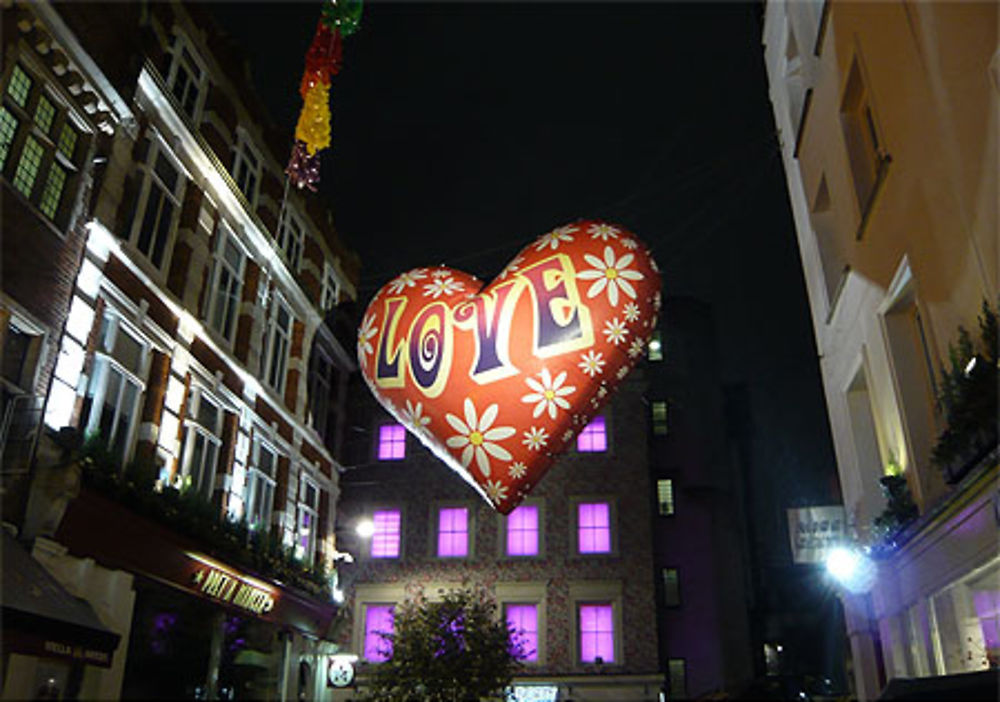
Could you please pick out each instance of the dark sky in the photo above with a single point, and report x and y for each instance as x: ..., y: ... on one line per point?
x: 463, y: 130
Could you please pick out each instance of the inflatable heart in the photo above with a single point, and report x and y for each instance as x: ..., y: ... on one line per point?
x: 497, y: 380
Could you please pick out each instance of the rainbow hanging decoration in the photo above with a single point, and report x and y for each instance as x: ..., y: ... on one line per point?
x: 338, y: 19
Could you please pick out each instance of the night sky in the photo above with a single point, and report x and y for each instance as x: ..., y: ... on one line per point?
x: 463, y: 130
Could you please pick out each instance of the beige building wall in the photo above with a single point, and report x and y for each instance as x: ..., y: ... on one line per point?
x: 888, y: 117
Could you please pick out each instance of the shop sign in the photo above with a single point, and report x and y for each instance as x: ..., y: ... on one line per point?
x: 78, y: 653
x: 340, y: 670
x: 533, y: 693
x: 814, y: 531
x: 219, y: 583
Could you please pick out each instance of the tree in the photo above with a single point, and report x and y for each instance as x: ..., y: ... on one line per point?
x: 453, y: 649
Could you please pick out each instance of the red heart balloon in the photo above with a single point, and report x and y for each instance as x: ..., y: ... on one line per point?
x: 497, y: 380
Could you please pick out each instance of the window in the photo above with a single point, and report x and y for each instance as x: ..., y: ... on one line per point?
x: 279, y: 340
x: 865, y: 153
x: 523, y: 530
x: 671, y: 587
x: 379, y: 622
x: 655, y: 349
x: 185, y: 80
x: 324, y: 389
x: 305, y: 545
x: 386, y: 538
x: 677, y: 678
x: 453, y: 532
x: 665, y: 496
x: 522, y: 621
x: 593, y: 527
x: 594, y: 437
x: 227, y: 283
x: 658, y: 409
x: 246, y: 170
x: 111, y: 402
x: 260, y: 485
x: 597, y: 632
x: 331, y: 289
x: 157, y: 204
x: 36, y: 130
x: 391, y: 442
x: 290, y: 238
x: 200, y: 449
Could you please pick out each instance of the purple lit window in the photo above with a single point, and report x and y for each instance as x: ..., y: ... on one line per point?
x: 391, y: 442
x: 522, y: 531
x: 594, y: 527
x: 378, y: 621
x: 385, y: 539
x: 594, y: 437
x: 453, y: 532
x: 522, y: 620
x: 987, y: 604
x: 597, y: 633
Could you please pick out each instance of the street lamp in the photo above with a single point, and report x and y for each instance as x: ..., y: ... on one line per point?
x: 851, y: 568
x: 365, y: 528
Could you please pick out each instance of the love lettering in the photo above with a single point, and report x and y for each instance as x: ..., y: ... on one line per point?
x: 424, y: 352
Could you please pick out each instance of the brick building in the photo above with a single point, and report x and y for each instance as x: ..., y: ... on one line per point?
x: 167, y: 295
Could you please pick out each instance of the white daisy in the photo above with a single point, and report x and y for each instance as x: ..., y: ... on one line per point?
x: 555, y: 237
x: 602, y: 391
x: 439, y: 286
x: 476, y: 437
x: 592, y: 363
x: 365, y: 333
x: 407, y: 280
x: 630, y: 243
x: 615, y: 331
x: 603, y: 231
x: 636, y: 348
x: 567, y: 435
x: 611, y: 274
x: 512, y: 267
x: 496, y: 491
x: 517, y: 470
x: 535, y: 438
x: 549, y: 393
x: 631, y: 312
x: 440, y: 273
x: 622, y: 372
x: 657, y: 301
x: 414, y: 416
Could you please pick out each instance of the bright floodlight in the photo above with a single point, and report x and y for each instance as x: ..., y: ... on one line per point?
x: 365, y: 528
x: 851, y: 569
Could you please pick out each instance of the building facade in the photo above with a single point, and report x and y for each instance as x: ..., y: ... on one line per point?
x: 888, y: 115
x: 571, y: 567
x: 167, y: 295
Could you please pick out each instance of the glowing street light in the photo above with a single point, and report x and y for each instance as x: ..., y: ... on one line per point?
x: 365, y: 528
x: 851, y: 568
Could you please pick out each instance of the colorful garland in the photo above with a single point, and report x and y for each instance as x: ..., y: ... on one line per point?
x: 338, y: 18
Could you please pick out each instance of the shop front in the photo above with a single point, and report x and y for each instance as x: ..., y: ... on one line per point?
x: 202, y: 628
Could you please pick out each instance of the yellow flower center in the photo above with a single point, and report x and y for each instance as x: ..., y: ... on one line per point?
x: 611, y: 273
x: 549, y: 394
x: 475, y: 438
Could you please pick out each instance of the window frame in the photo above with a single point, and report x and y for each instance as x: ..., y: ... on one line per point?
x: 671, y: 502
x: 112, y: 325
x: 597, y: 592
x: 671, y: 665
x: 574, y: 503
x: 399, y: 511
x: 324, y: 405
x: 203, y: 484
x: 435, y: 530
x: 379, y: 441
x: 291, y: 239
x: 49, y: 142
x: 657, y: 427
x: 605, y: 433
x: 275, y: 357
x: 527, y: 593
x: 539, y: 504
x: 304, y: 509
x: 256, y: 476
x: 225, y: 234
x: 331, y: 289
x: 181, y: 45
x: 245, y: 152
x: 365, y: 608
x: 671, y: 594
x: 150, y: 179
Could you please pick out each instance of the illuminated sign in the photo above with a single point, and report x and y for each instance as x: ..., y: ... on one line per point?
x: 814, y: 531
x: 87, y: 655
x: 219, y: 583
x: 533, y: 693
x: 340, y: 670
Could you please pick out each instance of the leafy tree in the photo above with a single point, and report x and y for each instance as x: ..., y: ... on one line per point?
x: 454, y: 649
